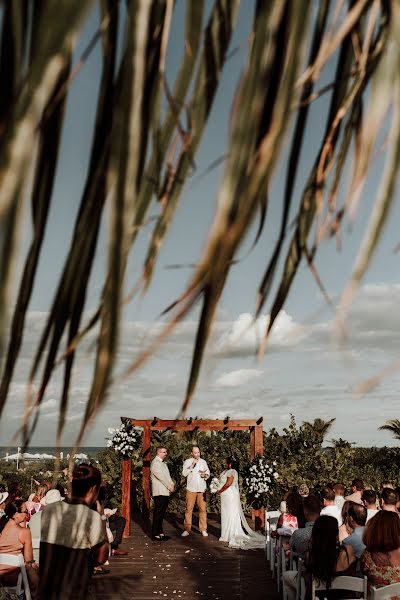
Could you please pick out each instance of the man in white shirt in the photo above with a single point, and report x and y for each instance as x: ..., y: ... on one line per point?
x: 330, y: 507
x: 369, y: 501
x: 339, y: 490
x: 196, y: 471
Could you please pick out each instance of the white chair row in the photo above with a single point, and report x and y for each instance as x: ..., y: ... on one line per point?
x: 343, y: 582
x: 388, y: 592
x: 22, y: 588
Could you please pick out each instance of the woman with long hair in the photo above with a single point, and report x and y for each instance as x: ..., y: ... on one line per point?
x: 345, y: 530
x: 15, y: 539
x: 327, y: 558
x: 380, y: 561
x: 234, y: 527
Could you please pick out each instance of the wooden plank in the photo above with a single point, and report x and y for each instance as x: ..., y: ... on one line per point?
x: 126, y: 494
x: 193, y: 568
x: 146, y: 471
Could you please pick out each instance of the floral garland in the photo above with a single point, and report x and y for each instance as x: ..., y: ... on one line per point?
x: 126, y: 439
x: 261, y: 479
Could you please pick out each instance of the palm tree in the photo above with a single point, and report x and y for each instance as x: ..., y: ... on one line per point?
x: 393, y: 426
x: 142, y: 155
x: 319, y: 426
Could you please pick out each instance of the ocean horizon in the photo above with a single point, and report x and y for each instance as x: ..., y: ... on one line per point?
x: 90, y: 451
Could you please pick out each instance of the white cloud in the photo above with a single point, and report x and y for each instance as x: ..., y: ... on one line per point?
x: 245, y: 334
x: 238, y: 377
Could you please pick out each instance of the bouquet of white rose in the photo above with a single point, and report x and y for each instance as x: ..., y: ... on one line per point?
x: 125, y: 439
x: 215, y: 485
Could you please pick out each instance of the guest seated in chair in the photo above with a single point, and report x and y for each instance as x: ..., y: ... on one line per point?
x: 380, y: 561
x: 327, y: 558
x: 15, y: 539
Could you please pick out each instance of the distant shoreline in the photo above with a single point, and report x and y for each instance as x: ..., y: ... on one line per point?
x: 91, y: 451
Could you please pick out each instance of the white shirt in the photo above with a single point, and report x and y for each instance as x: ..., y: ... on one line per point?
x: 371, y: 512
x: 195, y: 483
x: 333, y: 511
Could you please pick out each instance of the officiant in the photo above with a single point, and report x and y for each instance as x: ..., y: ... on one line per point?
x: 196, y: 471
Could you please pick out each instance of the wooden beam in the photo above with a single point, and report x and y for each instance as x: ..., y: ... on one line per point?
x: 159, y: 424
x: 146, y: 472
x: 126, y: 494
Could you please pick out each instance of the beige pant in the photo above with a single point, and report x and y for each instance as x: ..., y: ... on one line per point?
x: 290, y: 584
x: 191, y: 499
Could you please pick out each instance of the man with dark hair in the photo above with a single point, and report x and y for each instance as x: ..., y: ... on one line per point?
x: 369, y: 500
x: 301, y: 537
x: 330, y: 508
x: 389, y: 500
x: 162, y: 486
x: 300, y: 540
x: 73, y: 539
x: 357, y: 517
x: 357, y: 486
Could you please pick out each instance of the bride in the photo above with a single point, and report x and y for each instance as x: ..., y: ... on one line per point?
x: 234, y: 527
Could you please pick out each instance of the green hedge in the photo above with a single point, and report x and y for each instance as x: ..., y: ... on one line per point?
x: 301, y: 453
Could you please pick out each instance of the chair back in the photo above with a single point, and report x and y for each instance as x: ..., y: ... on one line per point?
x: 343, y: 582
x: 17, y: 560
x: 301, y: 585
x: 271, y: 519
x: 385, y: 593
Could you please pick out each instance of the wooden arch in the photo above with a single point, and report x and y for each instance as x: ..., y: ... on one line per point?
x: 149, y: 425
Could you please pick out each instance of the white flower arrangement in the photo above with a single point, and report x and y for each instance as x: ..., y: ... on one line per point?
x: 261, y: 478
x: 125, y: 439
x: 215, y: 485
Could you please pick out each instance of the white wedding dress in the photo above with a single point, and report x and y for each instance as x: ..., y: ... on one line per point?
x: 234, y: 527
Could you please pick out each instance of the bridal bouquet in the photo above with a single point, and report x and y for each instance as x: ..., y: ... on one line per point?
x: 125, y: 440
x: 215, y: 485
x: 261, y: 480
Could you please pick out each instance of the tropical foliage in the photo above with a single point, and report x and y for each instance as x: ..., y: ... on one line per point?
x: 393, y: 426
x: 301, y: 455
x: 142, y: 154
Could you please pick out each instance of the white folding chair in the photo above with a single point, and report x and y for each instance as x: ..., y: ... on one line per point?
x: 277, y: 562
x: 271, y: 519
x: 343, y: 582
x: 385, y: 593
x: 22, y: 588
x: 301, y: 584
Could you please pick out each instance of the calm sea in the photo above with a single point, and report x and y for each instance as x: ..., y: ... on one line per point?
x: 90, y: 451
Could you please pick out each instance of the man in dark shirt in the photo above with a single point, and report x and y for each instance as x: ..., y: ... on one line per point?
x: 300, y: 540
x: 73, y: 539
x: 301, y: 537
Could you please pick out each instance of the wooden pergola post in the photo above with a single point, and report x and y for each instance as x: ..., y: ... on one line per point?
x: 149, y: 425
x: 257, y: 449
x: 126, y: 494
x: 146, y: 472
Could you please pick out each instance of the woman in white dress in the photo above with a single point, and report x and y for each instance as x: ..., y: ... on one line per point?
x: 234, y: 527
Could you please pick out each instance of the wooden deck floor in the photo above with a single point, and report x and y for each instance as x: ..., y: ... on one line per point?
x: 189, y: 568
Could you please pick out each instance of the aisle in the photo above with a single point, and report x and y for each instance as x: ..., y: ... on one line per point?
x: 190, y: 568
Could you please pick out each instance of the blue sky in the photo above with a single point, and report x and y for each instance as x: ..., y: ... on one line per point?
x: 303, y: 372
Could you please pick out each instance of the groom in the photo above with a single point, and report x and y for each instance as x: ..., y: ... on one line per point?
x: 162, y: 486
x: 196, y: 471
